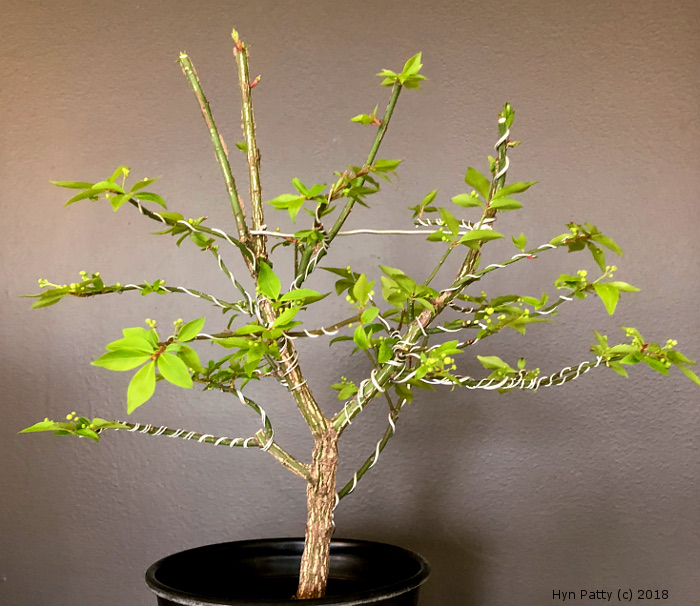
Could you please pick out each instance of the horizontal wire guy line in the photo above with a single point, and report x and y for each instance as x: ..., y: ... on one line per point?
x: 353, y: 232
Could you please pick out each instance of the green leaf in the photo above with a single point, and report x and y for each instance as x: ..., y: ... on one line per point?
x: 143, y: 183
x: 361, y: 289
x: 598, y: 254
x: 90, y: 193
x: 656, y: 365
x: 607, y: 242
x: 608, y: 294
x: 50, y: 297
x: 174, y: 370
x: 385, y: 352
x: 509, y: 114
x: 520, y: 242
x: 476, y: 180
x: 625, y: 287
x: 413, y: 81
x: 190, y: 330
x: 122, y: 359
x: 87, y: 433
x: 450, y: 222
x: 362, y: 119
x: 141, y: 387
x: 404, y: 282
x: 147, y: 196
x: 290, y: 203
x: 513, y: 188
x: 403, y: 392
x: 317, y: 190
x: 231, y: 342
x: 134, y: 343
x: 677, y: 357
x: 690, y: 374
x: 438, y: 235
x: 43, y: 426
x: 392, y: 293
x: 361, y: 339
x: 110, y: 186
x: 474, y: 237
x: 389, y: 77
x: 190, y: 357
x: 493, y: 362
x: 118, y: 201
x: 619, y: 369
x: 385, y: 165
x: 429, y: 198
x: 412, y: 66
x: 250, y: 329
x: 425, y: 303
x: 149, y: 336
x: 300, y: 187
x: 505, y: 204
x: 306, y: 295
x: 369, y: 314
x: 268, y: 283
x: 73, y: 184
x: 467, y: 201
x: 285, y: 317
x: 121, y: 170
x: 98, y: 423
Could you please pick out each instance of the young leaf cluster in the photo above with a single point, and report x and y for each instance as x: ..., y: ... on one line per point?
x: 75, y: 425
x: 140, y: 348
x: 112, y: 191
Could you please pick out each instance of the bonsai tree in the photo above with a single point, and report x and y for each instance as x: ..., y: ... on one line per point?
x: 406, y: 334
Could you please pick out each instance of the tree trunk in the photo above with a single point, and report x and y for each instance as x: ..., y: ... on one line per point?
x: 320, y: 500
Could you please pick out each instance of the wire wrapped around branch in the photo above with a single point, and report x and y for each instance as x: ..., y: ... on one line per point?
x: 372, y: 459
x: 154, y: 430
x: 520, y: 382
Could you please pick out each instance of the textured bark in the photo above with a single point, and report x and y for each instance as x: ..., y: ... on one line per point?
x: 320, y: 500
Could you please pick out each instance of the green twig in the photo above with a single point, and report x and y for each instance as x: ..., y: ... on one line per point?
x: 219, y: 148
x: 372, y: 459
x: 304, y: 268
x: 471, y: 262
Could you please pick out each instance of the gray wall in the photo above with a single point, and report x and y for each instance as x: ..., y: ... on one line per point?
x: 593, y: 485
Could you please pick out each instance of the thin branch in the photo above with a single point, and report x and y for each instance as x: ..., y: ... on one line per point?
x: 442, y: 260
x: 489, y: 215
x: 240, y: 52
x: 520, y: 382
x: 372, y: 459
x: 284, y: 458
x: 117, y: 288
x: 209, y: 231
x: 162, y: 430
x: 329, y: 330
x: 305, y: 266
x: 219, y: 149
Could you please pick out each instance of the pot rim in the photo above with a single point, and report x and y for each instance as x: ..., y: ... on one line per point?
x: 391, y: 590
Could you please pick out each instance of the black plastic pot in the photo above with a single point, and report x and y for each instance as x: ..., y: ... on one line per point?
x: 265, y: 572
